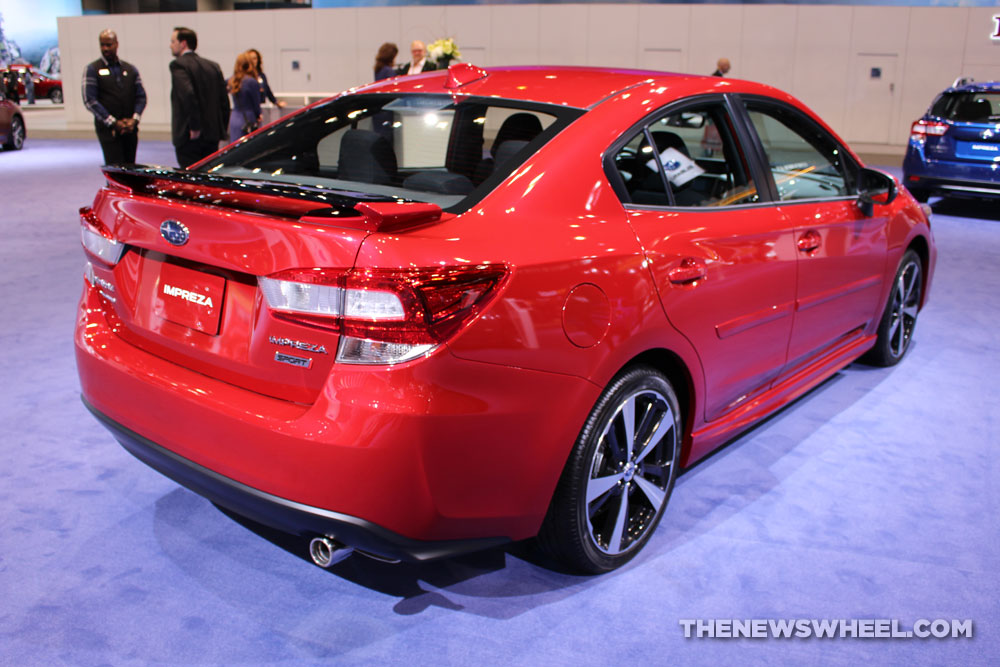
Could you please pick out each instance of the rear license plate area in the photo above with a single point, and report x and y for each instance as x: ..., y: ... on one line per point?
x: 977, y: 150
x: 187, y: 297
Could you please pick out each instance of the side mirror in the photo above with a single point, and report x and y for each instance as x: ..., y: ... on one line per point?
x: 874, y: 187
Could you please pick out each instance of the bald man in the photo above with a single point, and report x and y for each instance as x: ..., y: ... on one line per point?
x: 420, y: 62
x: 721, y: 67
x: 113, y: 92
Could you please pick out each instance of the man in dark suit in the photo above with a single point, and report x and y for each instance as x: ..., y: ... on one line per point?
x: 199, y: 102
x: 113, y: 92
x: 420, y: 62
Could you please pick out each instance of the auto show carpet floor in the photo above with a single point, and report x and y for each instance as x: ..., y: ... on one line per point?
x: 875, y: 496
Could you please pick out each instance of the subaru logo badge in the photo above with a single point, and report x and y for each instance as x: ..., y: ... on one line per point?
x: 174, y: 232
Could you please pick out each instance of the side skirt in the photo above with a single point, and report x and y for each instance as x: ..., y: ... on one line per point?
x: 715, y: 433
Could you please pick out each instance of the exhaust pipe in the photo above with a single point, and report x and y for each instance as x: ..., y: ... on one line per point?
x: 325, y: 551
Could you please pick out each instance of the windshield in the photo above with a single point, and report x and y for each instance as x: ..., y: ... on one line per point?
x: 428, y: 148
x: 981, y: 107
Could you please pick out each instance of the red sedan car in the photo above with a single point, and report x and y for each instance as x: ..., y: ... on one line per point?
x: 447, y: 311
x: 45, y: 86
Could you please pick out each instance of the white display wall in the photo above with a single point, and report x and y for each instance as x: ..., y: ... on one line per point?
x: 822, y: 54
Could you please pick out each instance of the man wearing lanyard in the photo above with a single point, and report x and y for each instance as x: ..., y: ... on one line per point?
x: 113, y: 92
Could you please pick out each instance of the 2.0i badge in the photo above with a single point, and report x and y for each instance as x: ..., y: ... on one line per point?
x: 174, y: 232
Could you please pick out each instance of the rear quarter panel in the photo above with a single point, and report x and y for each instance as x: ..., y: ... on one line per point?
x: 559, y: 225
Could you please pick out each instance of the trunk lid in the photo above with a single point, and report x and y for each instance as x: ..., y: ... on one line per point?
x: 186, y: 287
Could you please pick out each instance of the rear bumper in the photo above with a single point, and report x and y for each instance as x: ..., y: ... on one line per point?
x: 949, y: 177
x: 402, y: 462
x: 283, y: 514
x: 946, y: 187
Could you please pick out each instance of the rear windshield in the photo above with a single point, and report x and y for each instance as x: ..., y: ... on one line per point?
x: 428, y: 148
x: 968, y: 107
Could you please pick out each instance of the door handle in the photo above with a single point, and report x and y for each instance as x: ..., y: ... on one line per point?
x: 688, y: 271
x: 809, y: 241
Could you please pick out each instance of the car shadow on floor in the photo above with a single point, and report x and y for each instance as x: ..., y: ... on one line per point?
x: 967, y: 208
x: 486, y: 581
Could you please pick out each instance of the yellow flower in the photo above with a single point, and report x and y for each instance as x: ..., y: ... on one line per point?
x: 444, y: 48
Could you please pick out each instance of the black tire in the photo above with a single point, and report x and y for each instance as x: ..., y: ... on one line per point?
x: 15, y: 140
x: 625, y: 461
x: 895, y: 331
x: 920, y: 194
x: 56, y: 95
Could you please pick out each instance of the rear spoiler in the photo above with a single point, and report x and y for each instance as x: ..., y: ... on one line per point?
x: 308, y: 204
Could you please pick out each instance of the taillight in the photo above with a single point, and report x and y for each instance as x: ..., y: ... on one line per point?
x: 384, y: 316
x: 924, y: 128
x: 97, y: 240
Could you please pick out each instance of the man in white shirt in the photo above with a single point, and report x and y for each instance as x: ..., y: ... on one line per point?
x: 420, y: 63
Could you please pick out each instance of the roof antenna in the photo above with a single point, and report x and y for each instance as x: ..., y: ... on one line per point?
x: 460, y: 74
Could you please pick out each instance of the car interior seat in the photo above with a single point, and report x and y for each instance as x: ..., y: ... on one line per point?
x: 519, y: 127
x: 684, y: 195
x: 367, y: 157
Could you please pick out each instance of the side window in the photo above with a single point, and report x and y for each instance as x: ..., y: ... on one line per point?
x: 693, y: 153
x: 637, y: 167
x: 701, y: 160
x: 804, y: 160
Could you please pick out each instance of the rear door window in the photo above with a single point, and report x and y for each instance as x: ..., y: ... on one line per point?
x: 687, y: 158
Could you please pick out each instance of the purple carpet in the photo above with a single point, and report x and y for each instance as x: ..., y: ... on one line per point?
x: 876, y: 496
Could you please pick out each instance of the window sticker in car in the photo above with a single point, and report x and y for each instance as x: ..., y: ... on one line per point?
x: 679, y: 167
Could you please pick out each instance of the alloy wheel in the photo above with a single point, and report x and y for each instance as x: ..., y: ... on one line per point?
x: 631, y: 471
x: 905, y: 303
x: 16, y: 134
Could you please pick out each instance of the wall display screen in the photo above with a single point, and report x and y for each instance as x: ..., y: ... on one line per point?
x: 28, y: 32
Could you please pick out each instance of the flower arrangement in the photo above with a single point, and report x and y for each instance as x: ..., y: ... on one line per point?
x: 443, y: 51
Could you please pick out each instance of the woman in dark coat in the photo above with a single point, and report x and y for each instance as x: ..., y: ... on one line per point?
x: 265, y: 88
x: 385, y: 61
x: 245, y: 90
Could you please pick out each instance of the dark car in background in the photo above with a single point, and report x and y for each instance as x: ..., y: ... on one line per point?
x: 954, y: 149
x: 46, y: 87
x: 11, y: 125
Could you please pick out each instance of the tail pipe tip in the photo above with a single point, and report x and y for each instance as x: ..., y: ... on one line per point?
x: 325, y: 551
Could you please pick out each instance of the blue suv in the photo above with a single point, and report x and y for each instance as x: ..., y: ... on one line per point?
x: 954, y: 150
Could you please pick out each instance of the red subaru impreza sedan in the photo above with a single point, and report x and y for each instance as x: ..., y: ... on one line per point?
x: 447, y: 311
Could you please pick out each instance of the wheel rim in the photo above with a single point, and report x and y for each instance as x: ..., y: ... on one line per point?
x: 905, y: 302
x: 631, y: 472
x: 17, y: 133
x: 56, y: 97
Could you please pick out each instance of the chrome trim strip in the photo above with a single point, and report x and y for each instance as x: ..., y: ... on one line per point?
x: 968, y: 188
